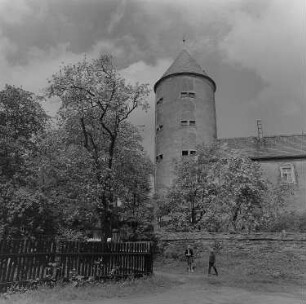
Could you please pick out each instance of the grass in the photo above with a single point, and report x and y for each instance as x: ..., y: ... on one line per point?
x: 257, y: 271
x: 63, y: 294
x: 261, y: 271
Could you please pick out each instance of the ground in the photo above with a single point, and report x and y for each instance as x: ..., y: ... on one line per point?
x: 266, y: 278
x: 196, y: 289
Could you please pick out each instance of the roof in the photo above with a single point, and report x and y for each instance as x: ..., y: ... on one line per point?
x: 184, y: 64
x: 270, y: 147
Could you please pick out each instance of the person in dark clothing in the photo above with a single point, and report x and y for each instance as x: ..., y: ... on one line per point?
x: 212, y: 261
x: 189, y: 258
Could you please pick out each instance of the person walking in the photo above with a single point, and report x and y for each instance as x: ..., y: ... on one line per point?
x: 212, y: 261
x: 189, y: 258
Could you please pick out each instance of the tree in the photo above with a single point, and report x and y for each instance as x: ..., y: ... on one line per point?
x: 222, y: 190
x: 22, y: 119
x: 96, y: 104
x: 24, y: 210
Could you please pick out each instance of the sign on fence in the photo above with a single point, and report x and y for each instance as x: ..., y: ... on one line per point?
x: 25, y: 262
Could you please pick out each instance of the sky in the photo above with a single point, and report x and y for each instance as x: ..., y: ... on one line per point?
x: 253, y: 49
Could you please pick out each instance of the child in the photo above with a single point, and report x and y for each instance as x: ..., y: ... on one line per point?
x: 189, y: 257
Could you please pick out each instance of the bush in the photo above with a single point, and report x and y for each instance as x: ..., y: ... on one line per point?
x: 290, y: 221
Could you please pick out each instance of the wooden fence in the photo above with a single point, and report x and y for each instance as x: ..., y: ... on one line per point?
x: 24, y: 262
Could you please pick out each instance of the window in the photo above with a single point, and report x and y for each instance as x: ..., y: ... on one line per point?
x: 159, y: 157
x: 159, y: 128
x: 287, y: 173
x: 184, y: 123
x: 160, y: 100
x: 189, y: 152
x: 186, y: 94
x: 188, y: 123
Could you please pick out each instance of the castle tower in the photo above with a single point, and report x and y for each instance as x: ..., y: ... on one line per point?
x: 185, y: 115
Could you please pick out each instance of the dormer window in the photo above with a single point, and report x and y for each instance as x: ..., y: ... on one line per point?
x: 288, y: 174
x: 160, y: 101
x: 184, y: 152
x: 187, y: 94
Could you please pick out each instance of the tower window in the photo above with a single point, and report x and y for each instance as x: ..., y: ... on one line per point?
x: 159, y: 128
x: 160, y: 100
x: 188, y: 123
x: 189, y: 152
x: 186, y: 94
x: 184, y: 122
x: 159, y: 157
x: 287, y: 174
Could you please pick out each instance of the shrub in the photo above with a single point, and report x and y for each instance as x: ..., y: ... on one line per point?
x: 289, y: 221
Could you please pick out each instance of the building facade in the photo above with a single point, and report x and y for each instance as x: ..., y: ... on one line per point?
x: 185, y: 116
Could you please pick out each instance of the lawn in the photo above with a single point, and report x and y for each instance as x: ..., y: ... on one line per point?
x: 256, y: 274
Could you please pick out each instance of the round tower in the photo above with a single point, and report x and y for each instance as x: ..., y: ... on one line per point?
x: 185, y: 115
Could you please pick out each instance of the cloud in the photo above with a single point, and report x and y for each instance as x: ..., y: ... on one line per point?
x: 253, y: 49
x: 144, y: 73
x: 273, y: 45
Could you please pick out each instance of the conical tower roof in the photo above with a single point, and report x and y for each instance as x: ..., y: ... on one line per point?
x: 184, y: 64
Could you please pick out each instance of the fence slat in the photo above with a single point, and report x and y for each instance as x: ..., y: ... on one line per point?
x: 24, y: 260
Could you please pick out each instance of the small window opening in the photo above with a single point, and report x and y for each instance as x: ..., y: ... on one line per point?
x: 184, y: 123
x: 184, y: 94
x: 192, y: 123
x: 160, y: 100
x: 159, y: 157
x: 159, y: 128
x: 193, y: 152
x: 184, y: 152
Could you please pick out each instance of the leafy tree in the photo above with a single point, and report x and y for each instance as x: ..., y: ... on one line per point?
x: 24, y: 211
x: 68, y: 177
x: 96, y: 104
x: 222, y: 190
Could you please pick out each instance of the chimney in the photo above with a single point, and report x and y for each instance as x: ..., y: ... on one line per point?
x: 259, y: 129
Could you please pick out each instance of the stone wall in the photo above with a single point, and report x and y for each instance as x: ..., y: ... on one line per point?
x: 172, y: 245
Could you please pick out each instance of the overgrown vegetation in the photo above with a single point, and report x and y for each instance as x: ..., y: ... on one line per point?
x: 89, y: 292
x: 90, y: 170
x: 221, y: 190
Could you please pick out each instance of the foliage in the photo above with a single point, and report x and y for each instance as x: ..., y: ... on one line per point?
x: 96, y: 104
x: 222, y: 190
x: 24, y: 210
x: 289, y: 221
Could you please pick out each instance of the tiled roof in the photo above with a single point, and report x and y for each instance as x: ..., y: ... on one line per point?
x: 281, y: 146
x: 184, y: 63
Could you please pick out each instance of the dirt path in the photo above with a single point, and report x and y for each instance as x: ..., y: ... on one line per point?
x: 193, y: 290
